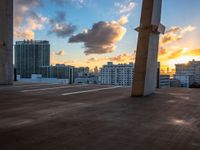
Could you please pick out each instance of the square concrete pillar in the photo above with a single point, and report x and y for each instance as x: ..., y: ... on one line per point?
x: 145, y: 77
x: 6, y: 42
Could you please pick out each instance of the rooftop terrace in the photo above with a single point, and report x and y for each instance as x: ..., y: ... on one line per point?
x: 56, y: 117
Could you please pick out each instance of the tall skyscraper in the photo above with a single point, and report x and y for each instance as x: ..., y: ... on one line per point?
x: 30, y: 56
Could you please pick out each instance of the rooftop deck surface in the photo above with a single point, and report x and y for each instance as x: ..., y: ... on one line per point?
x: 57, y: 117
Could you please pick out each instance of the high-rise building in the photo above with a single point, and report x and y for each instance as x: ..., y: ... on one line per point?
x: 30, y: 55
x: 121, y: 74
x: 188, y: 73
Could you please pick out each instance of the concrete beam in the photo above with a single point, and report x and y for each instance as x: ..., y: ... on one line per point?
x: 6, y: 42
x: 145, y: 77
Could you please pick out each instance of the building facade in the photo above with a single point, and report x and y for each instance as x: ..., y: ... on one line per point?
x: 82, y: 75
x: 121, y: 74
x: 185, y: 80
x: 81, y: 72
x: 59, y: 71
x: 175, y: 83
x: 30, y: 55
x: 188, y: 73
x: 164, y: 81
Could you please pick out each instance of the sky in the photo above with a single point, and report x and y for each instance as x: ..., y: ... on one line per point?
x: 93, y: 32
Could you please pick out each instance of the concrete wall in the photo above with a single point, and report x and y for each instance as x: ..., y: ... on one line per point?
x: 6, y: 42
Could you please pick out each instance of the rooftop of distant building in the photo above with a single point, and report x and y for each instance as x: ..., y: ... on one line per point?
x: 32, y: 42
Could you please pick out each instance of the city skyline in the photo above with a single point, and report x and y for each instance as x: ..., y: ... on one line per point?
x: 71, y: 26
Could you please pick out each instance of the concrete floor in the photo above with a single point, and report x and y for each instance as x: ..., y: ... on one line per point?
x: 53, y: 117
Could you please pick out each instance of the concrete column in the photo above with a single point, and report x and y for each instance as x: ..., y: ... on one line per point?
x: 6, y: 42
x: 145, y: 77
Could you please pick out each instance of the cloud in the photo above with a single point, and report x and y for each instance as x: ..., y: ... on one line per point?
x: 183, y: 53
x: 194, y: 52
x: 62, y: 30
x: 171, y: 53
x: 162, y: 51
x: 60, y: 53
x: 171, y: 56
x: 22, y: 33
x: 102, y: 38
x: 22, y: 8
x: 175, y: 34
x: 188, y: 29
x: 59, y: 27
x: 122, y: 58
x: 36, y: 22
x: 125, y: 7
x: 126, y: 57
x: 54, y: 57
x: 123, y: 20
x: 33, y: 23
x: 26, y: 20
x: 175, y: 54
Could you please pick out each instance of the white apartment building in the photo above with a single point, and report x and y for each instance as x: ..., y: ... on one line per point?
x: 121, y: 74
x: 188, y: 73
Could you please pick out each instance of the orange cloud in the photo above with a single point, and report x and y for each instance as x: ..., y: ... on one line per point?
x: 60, y: 53
x: 122, y: 58
x: 179, y: 55
x: 162, y: 51
x: 171, y: 52
x: 26, y: 20
x: 125, y: 58
x: 21, y: 33
x: 175, y: 54
x: 123, y: 20
x: 175, y: 34
x: 195, y: 52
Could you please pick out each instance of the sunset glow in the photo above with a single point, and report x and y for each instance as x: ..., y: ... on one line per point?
x: 81, y: 35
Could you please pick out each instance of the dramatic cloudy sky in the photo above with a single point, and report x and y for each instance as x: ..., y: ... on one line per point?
x: 93, y: 32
